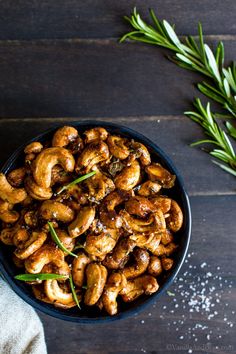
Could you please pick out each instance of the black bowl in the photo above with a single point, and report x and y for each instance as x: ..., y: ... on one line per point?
x: 90, y: 315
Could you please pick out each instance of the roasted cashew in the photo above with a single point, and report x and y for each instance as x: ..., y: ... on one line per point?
x: 31, y: 218
x: 100, y: 245
x: 139, y: 151
x: 78, y: 268
x: 167, y: 250
x: 10, y: 194
x: 93, y: 153
x: 139, y: 206
x: 117, y: 147
x: 75, y: 193
x: 57, y: 295
x: 149, y: 241
x: 139, y: 267
x: 7, y: 236
x: 63, y: 136
x: 149, y: 188
x: 120, y: 254
x: 59, y: 176
x: 128, y: 177
x: 35, y: 191
x: 99, y: 186
x: 145, y: 284
x: 96, y: 275
x: 158, y: 173
x: 175, y: 220
x: 47, y: 254
x: 115, y: 283
x: 167, y: 263
x: 46, y: 160
x: 82, y: 222
x: 16, y: 177
x: 108, y: 213
x: 33, y: 148
x: 155, y: 266
x: 162, y: 203
x: 94, y: 134
x: 155, y: 222
x: 51, y: 209
x: 8, y: 215
x: 166, y: 237
x: 33, y: 243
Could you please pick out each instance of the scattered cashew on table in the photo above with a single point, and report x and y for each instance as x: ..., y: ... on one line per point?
x: 117, y: 223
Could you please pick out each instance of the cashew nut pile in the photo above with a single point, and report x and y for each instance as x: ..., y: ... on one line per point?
x: 119, y: 222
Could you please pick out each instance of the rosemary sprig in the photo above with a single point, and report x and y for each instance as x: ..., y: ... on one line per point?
x: 73, y: 292
x: 58, y: 241
x: 217, y: 136
x: 190, y: 55
x: 39, y: 276
x: 76, y: 181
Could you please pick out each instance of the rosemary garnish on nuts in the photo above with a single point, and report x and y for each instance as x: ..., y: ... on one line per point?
x: 39, y: 276
x: 76, y: 181
x: 73, y: 292
x: 58, y: 241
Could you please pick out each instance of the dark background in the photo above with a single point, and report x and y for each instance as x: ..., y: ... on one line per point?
x: 60, y: 61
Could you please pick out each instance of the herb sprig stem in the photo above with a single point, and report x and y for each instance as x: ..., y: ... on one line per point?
x: 76, y: 181
x: 58, y: 241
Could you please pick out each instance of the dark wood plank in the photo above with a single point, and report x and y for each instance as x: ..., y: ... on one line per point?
x: 95, y: 78
x: 101, y: 19
x: 173, y: 135
x: 174, y: 323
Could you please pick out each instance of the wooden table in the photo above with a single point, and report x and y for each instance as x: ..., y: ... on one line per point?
x: 59, y: 62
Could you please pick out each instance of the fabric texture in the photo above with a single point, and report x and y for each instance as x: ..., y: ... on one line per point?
x: 21, y: 331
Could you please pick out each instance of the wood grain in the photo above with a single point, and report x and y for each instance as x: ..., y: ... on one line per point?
x: 154, y: 330
x: 101, y: 19
x: 173, y: 135
x: 55, y: 78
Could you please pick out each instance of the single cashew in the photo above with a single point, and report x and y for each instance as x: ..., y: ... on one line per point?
x: 67, y: 241
x: 94, y: 134
x: 158, y: 173
x: 16, y: 177
x: 117, y: 147
x: 139, y: 206
x: 120, y: 254
x: 149, y: 241
x: 167, y: 263
x: 155, y: 222
x: 33, y: 243
x: 35, y: 191
x: 108, y: 214
x: 63, y: 136
x: 82, y: 222
x: 31, y: 218
x: 46, y: 160
x: 100, y: 245
x: 10, y: 194
x: 78, y: 268
x: 115, y: 283
x: 20, y: 236
x: 166, y: 237
x: 57, y: 295
x: 175, y: 220
x: 8, y: 215
x: 33, y: 148
x: 56, y: 210
x: 167, y: 250
x: 139, y: 151
x: 59, y: 176
x: 49, y: 253
x: 141, y: 258
x: 99, y: 186
x: 93, y: 153
x: 128, y: 177
x: 7, y: 236
x: 145, y: 284
x: 96, y: 279
x: 149, y: 188
x: 162, y: 203
x: 155, y: 267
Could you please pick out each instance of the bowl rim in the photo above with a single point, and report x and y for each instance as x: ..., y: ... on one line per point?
x: 36, y: 304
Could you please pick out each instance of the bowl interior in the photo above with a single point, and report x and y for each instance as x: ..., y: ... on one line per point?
x: 89, y: 314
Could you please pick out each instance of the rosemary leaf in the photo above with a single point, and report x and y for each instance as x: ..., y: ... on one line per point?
x: 58, y: 242
x: 39, y: 276
x: 73, y: 292
x: 76, y: 181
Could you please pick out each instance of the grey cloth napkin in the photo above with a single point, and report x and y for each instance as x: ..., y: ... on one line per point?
x: 21, y: 331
